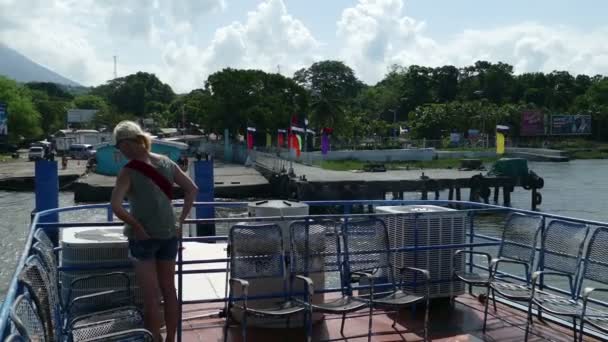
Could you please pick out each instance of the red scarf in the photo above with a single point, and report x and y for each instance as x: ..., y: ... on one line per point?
x: 153, y: 174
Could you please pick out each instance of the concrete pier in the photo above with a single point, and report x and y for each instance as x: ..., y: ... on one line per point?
x: 230, y: 181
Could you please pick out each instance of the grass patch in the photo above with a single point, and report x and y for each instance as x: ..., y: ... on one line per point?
x: 5, y: 157
x: 347, y: 165
x: 589, y: 154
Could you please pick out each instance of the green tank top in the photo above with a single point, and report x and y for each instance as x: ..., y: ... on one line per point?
x: 149, y: 204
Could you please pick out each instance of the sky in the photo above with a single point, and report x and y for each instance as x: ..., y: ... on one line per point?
x: 184, y: 41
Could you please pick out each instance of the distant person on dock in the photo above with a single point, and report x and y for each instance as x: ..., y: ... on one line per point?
x: 147, y: 181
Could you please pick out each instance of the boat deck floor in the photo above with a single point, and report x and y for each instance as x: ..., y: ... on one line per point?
x: 462, y: 322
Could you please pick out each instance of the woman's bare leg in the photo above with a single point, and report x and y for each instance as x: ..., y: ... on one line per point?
x: 166, y: 280
x: 145, y: 272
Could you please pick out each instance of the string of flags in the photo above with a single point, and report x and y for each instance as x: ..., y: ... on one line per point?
x: 292, y: 137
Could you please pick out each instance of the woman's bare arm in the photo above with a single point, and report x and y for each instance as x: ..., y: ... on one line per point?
x: 190, y: 190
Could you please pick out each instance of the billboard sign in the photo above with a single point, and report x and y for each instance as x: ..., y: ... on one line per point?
x: 532, y: 123
x: 3, y: 119
x: 81, y: 115
x: 570, y: 124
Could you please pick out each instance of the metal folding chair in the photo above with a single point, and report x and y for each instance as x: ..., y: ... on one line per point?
x: 316, y: 251
x: 514, y: 237
x: 518, y: 248
x: 595, y: 279
x: 367, y: 250
x: 133, y: 335
x: 25, y: 316
x: 59, y: 323
x: 561, y: 256
x: 257, y: 252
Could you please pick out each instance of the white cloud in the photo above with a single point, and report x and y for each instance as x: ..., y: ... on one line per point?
x: 377, y: 33
x: 77, y: 38
x: 268, y: 38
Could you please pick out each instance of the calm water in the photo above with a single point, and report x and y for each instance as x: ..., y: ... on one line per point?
x: 578, y: 188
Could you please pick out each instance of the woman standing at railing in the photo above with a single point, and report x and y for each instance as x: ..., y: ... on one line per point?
x: 147, y: 181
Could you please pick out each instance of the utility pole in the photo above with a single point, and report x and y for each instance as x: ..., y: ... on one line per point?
x: 183, y: 119
x: 115, y: 73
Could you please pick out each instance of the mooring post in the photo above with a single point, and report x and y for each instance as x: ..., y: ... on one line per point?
x: 47, y: 193
x: 436, y: 195
x: 203, y: 177
x: 473, y: 195
x: 506, y: 196
x: 496, y: 194
x: 534, y: 191
x: 458, y: 197
x: 451, y: 193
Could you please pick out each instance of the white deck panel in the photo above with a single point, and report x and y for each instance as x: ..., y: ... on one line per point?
x: 204, y: 285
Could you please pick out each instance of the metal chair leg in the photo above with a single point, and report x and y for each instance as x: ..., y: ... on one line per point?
x: 485, y: 311
x: 342, y: 326
x: 574, y: 327
x: 494, y: 299
x: 309, y: 326
x: 395, y: 319
x: 426, y: 321
x: 369, y: 326
x: 227, y: 323
x: 244, y: 326
x: 582, y: 330
x: 529, y: 321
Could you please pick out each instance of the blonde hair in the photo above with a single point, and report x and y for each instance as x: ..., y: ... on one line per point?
x: 129, y: 130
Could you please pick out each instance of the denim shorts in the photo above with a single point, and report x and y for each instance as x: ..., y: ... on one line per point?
x: 153, y: 249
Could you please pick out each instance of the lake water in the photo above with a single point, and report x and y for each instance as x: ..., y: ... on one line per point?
x: 578, y: 189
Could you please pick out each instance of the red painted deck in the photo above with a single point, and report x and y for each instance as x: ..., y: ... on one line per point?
x: 463, y: 322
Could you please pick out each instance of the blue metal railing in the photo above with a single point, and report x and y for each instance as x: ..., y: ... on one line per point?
x: 475, y: 239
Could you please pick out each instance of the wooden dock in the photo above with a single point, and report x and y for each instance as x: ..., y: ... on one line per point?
x: 18, y: 175
x: 309, y: 183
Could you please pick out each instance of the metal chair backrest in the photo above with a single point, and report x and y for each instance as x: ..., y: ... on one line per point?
x: 595, y: 267
x: 50, y: 264
x: 315, y: 248
x: 35, y: 278
x: 562, y: 249
x: 43, y: 238
x: 256, y: 251
x: 519, y: 237
x: 15, y: 338
x: 366, y: 248
x: 26, y: 318
x: 562, y: 246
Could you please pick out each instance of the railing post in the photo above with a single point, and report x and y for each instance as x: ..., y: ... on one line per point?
x: 203, y: 177
x: 110, y: 213
x: 471, y: 215
x: 179, y: 288
x: 47, y: 192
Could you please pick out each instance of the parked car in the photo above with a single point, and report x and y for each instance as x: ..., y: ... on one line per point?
x: 82, y: 151
x: 35, y: 152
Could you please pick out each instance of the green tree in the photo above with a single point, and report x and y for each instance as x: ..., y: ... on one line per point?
x: 23, y: 118
x: 140, y: 94
x: 242, y: 97
x: 331, y: 85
